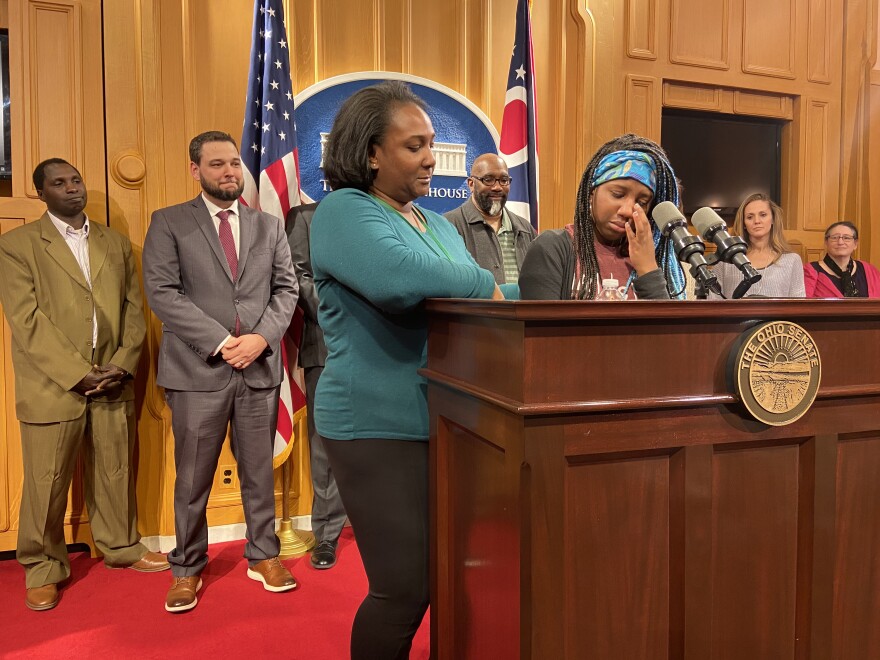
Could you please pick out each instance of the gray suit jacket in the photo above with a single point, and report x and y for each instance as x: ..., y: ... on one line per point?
x: 189, y: 287
x: 312, y: 350
x: 482, y: 242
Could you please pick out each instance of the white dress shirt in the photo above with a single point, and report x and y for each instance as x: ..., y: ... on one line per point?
x: 234, y: 223
x: 78, y: 242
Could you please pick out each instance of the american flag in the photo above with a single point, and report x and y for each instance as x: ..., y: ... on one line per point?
x: 271, y: 176
x: 519, y: 126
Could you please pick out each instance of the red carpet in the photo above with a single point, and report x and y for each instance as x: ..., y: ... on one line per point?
x: 115, y: 614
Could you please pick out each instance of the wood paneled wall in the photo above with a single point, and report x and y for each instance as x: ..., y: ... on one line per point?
x: 120, y: 87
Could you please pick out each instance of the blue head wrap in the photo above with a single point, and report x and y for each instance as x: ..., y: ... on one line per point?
x: 627, y: 164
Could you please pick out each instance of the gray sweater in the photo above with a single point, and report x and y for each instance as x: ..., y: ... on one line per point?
x: 784, y: 278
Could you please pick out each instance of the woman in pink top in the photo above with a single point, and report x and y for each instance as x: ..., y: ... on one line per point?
x: 838, y: 275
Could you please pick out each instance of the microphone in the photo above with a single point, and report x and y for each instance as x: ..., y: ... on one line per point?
x: 731, y: 249
x: 688, y: 248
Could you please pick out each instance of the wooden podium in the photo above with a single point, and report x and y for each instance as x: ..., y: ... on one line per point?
x: 599, y: 493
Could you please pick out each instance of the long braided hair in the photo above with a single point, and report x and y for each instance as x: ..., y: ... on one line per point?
x: 584, y: 227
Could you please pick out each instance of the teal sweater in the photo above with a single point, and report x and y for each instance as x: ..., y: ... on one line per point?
x: 373, y: 271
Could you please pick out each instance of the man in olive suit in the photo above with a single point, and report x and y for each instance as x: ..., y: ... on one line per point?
x: 70, y: 292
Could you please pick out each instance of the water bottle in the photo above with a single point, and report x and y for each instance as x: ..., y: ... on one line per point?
x: 611, y: 290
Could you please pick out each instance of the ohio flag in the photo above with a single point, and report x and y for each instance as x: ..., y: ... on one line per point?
x: 519, y: 127
x: 271, y: 175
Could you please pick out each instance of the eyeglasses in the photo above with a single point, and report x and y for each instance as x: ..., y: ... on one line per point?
x: 490, y: 180
x: 846, y: 238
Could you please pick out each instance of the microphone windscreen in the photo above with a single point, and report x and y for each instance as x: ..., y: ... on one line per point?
x: 664, y: 213
x: 705, y: 219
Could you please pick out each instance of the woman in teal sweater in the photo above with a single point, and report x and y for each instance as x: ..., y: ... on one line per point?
x: 376, y: 257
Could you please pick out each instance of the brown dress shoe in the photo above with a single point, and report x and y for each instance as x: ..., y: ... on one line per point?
x: 42, y: 598
x: 182, y: 594
x: 152, y: 562
x: 273, y: 574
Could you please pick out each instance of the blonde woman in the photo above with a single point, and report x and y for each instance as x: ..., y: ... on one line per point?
x: 759, y: 221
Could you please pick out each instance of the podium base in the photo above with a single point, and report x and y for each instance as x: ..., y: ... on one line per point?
x: 294, y: 543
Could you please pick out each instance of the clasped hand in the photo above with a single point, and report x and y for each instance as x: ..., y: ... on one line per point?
x: 240, y: 352
x: 101, y: 380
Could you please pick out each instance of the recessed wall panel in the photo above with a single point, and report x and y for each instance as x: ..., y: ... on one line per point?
x: 754, y: 555
x: 698, y: 33
x: 769, y: 37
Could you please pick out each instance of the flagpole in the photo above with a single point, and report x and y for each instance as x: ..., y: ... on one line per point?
x: 294, y: 543
x: 270, y: 159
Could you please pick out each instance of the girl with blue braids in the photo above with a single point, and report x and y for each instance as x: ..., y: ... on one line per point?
x: 612, y: 234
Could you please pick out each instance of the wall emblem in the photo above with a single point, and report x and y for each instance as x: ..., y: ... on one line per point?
x: 778, y: 370
x: 463, y: 133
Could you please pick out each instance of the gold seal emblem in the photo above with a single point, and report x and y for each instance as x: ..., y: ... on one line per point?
x: 777, y: 372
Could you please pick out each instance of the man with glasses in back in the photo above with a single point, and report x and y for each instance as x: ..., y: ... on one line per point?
x: 496, y: 238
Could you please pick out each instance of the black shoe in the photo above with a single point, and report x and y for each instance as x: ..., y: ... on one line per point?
x: 324, y: 555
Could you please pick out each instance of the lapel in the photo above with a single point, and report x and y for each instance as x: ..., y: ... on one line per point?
x: 206, y: 224
x: 246, y: 219
x: 97, y: 250
x: 58, y: 250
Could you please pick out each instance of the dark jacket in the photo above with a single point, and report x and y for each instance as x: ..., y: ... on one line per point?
x: 482, y: 242
x: 312, y: 351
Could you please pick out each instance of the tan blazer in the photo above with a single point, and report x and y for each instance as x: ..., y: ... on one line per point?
x: 49, y: 306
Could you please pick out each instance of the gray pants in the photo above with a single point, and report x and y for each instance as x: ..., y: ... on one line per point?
x: 328, y: 514
x: 200, y: 421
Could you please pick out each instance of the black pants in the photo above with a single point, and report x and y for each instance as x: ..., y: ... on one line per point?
x: 384, y: 487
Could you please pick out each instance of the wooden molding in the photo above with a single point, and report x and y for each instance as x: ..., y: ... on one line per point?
x: 818, y: 42
x: 761, y: 104
x: 698, y: 33
x: 128, y: 169
x: 54, y: 34
x: 814, y: 254
x: 816, y: 172
x: 643, y: 109
x: 769, y: 40
x: 641, y: 29
x: 692, y: 96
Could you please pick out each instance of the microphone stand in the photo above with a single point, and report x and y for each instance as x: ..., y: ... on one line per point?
x: 685, y: 249
x: 729, y: 248
x: 750, y: 276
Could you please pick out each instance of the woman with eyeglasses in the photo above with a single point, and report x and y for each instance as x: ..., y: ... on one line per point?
x: 612, y: 236
x: 838, y: 275
x: 759, y: 221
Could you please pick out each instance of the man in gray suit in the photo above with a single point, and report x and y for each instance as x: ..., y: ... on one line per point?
x: 496, y: 238
x: 328, y: 514
x: 219, y: 276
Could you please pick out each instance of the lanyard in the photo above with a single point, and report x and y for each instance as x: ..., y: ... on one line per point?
x: 428, y: 231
